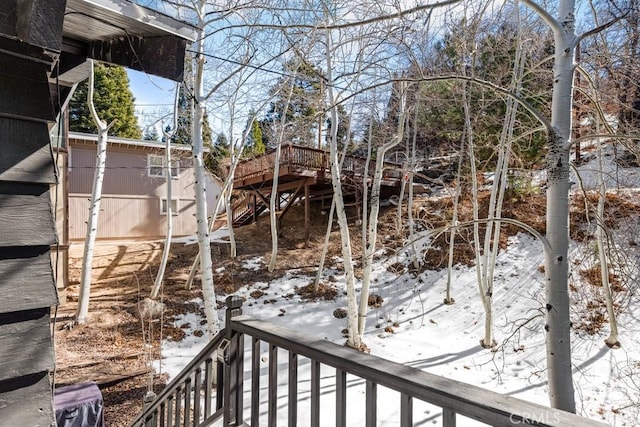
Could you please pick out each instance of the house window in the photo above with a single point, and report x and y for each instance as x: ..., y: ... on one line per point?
x: 174, y: 206
x: 156, y: 166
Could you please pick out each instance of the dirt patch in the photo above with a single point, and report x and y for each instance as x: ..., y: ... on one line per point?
x: 111, y: 345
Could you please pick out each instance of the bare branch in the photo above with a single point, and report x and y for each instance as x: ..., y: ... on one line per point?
x: 556, y: 27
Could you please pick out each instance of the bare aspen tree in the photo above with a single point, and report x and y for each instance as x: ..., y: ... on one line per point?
x: 404, y: 172
x: 169, y: 211
x: 273, y: 214
x: 558, y: 323
x: 448, y: 299
x: 94, y: 207
x: 372, y: 229
x: 204, y: 241
x: 410, y: 174
x: 601, y: 236
x: 365, y: 188
x: 225, y: 192
x: 353, y: 339
x: 325, y: 246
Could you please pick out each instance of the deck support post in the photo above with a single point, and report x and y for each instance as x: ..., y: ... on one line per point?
x: 306, y: 216
x: 255, y: 210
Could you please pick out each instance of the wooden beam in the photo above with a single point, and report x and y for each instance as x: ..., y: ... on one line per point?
x: 24, y: 86
x: 26, y: 156
x: 299, y: 187
x: 25, y: 215
x: 27, y: 278
x: 26, y: 401
x: 25, y: 343
x: 160, y: 56
x: 263, y: 198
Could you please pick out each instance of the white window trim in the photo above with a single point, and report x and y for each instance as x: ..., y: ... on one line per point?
x: 149, y: 166
x: 175, y: 165
x: 174, y: 212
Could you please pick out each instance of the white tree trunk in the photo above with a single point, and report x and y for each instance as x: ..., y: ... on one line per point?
x: 372, y: 229
x: 612, y: 339
x: 169, y: 232
x: 325, y: 247
x: 204, y: 243
x: 225, y: 197
x: 405, y: 171
x: 448, y: 299
x: 94, y: 208
x: 353, y: 339
x: 558, y: 323
x: 235, y: 157
x: 412, y: 170
x: 273, y: 217
x: 485, y: 295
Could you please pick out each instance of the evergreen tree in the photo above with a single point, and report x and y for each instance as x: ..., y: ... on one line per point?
x: 182, y: 134
x: 303, y: 111
x: 151, y: 134
x: 219, y: 151
x: 113, y: 101
x: 486, y: 53
x: 255, y: 145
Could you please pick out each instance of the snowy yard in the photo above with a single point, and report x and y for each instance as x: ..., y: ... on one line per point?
x: 444, y: 339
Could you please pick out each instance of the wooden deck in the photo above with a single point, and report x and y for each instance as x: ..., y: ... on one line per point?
x: 304, y: 173
x: 309, y: 164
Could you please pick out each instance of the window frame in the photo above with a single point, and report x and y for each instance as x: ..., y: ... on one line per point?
x: 175, y: 166
x: 174, y: 212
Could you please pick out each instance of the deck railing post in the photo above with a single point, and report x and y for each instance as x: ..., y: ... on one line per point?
x: 149, y: 398
x: 232, y: 355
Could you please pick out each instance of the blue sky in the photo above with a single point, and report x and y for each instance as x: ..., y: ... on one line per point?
x: 153, y: 95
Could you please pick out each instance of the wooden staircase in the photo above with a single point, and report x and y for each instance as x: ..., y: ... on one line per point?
x: 247, y: 209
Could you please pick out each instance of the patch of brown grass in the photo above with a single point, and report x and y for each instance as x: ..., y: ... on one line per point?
x: 324, y: 292
x: 527, y: 208
x: 583, y: 210
x: 593, y: 276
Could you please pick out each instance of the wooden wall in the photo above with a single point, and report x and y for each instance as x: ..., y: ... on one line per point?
x: 27, y: 230
x: 31, y: 33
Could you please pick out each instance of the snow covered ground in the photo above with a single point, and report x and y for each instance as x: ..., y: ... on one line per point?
x: 444, y: 339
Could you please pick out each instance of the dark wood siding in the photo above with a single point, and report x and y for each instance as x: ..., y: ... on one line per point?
x: 36, y: 22
x: 29, y: 159
x: 25, y: 89
x: 20, y: 356
x: 25, y: 279
x: 26, y: 401
x: 25, y: 215
x: 27, y: 229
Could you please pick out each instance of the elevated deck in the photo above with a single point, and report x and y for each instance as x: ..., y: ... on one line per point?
x: 304, y: 173
x: 309, y: 164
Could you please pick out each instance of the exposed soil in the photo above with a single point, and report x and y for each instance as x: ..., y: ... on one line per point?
x: 110, y: 349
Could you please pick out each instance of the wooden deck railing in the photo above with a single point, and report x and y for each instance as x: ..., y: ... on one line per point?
x: 306, y: 158
x: 189, y: 399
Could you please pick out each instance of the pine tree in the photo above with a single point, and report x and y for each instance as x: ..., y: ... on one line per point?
x: 151, y: 134
x: 113, y: 100
x: 304, y: 109
x: 182, y: 134
x: 255, y: 144
x: 214, y: 159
